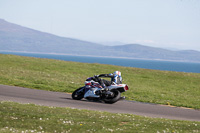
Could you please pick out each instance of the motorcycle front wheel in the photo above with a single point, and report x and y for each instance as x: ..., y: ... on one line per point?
x: 116, y: 96
x: 78, y: 94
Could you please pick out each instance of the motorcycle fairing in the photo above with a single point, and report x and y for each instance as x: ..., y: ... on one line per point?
x: 91, y: 93
x: 119, y: 87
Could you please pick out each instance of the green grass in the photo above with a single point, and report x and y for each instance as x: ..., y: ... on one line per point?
x: 23, y: 118
x: 161, y: 87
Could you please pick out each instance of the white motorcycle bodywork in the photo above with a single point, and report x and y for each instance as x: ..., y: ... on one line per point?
x: 95, y: 86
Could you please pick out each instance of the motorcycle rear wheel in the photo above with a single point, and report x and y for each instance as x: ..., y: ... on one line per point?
x: 77, y: 94
x: 113, y: 99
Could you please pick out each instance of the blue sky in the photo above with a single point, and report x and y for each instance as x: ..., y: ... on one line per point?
x: 158, y: 23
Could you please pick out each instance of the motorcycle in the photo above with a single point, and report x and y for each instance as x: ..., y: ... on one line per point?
x: 94, y: 91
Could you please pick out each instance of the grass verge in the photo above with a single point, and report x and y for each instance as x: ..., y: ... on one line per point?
x: 154, y: 86
x: 24, y: 118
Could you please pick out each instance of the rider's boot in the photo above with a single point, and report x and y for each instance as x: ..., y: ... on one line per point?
x: 122, y: 98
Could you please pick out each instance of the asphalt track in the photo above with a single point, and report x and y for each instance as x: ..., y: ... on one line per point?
x: 58, y: 99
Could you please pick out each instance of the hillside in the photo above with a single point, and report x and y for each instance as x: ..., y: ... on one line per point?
x: 18, y: 38
x: 145, y: 52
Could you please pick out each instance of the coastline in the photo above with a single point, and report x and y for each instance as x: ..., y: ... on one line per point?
x: 145, y: 59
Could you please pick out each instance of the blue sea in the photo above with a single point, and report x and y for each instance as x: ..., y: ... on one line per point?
x: 138, y: 63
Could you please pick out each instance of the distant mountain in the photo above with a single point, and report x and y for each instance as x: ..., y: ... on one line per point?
x: 146, y: 52
x: 18, y: 38
x: 115, y: 43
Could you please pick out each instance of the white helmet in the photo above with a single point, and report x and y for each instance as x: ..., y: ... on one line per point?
x: 117, y: 73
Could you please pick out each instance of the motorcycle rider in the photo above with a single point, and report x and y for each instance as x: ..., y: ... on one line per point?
x: 115, y: 78
x: 107, y: 91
